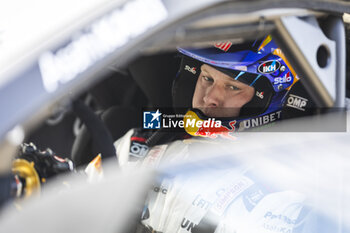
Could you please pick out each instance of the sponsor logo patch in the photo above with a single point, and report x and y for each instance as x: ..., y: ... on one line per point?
x: 138, y: 150
x: 297, y: 102
x: 191, y: 69
x: 261, y: 120
x: 260, y: 94
x: 224, y: 46
x: 187, y: 224
x: 280, y: 217
x: 269, y: 67
x: 229, y: 194
x: 284, y: 79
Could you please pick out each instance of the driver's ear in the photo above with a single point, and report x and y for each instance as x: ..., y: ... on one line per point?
x: 184, y: 84
x: 263, y: 92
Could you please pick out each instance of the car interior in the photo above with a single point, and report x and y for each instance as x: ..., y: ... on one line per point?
x: 118, y: 100
x: 89, y: 124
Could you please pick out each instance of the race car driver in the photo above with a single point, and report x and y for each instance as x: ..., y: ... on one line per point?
x: 244, y: 88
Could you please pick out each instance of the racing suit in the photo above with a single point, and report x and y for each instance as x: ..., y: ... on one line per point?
x: 208, y: 200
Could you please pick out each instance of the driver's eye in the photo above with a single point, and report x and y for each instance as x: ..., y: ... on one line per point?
x: 208, y: 79
x: 233, y: 87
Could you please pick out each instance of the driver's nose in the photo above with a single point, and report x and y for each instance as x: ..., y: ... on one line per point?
x: 213, y: 96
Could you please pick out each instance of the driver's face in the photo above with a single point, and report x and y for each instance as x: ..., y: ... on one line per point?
x: 219, y: 95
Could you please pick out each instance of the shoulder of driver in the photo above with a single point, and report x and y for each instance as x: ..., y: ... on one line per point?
x: 122, y: 146
x: 130, y: 151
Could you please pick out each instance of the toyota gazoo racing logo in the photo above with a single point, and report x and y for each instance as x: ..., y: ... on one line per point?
x: 269, y: 67
x: 191, y: 69
x: 284, y: 79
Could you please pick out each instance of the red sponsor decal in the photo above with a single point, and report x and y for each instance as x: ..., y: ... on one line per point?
x: 139, y: 139
x: 213, y: 131
x: 224, y: 46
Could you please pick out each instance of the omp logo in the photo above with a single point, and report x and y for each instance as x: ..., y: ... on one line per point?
x: 151, y: 120
x: 192, y: 70
x: 260, y: 94
x: 269, y: 67
x: 297, y: 102
x: 284, y: 79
